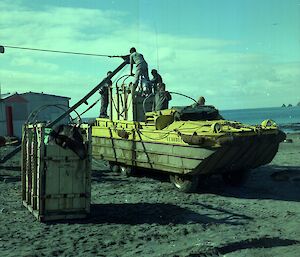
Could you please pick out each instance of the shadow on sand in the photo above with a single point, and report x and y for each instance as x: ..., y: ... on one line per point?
x: 148, y: 213
x: 263, y: 242
x: 267, y: 182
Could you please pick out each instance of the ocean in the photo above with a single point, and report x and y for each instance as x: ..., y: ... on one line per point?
x: 287, y: 118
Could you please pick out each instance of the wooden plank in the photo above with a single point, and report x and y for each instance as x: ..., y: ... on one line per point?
x: 51, y: 204
x: 159, y: 148
x: 29, y: 167
x: 52, y: 217
x: 65, y: 178
x: 79, y: 203
x: 152, y: 157
x: 52, y: 178
x: 34, y: 171
x: 79, y: 177
x: 41, y: 183
x: 23, y: 162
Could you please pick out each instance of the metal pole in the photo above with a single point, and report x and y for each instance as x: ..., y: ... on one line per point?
x: 118, y: 102
x: 51, y: 124
x: 124, y: 93
x: 84, y: 99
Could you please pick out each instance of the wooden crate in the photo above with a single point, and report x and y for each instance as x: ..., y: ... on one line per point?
x: 56, y: 183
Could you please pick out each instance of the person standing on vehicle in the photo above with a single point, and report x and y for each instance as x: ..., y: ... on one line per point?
x: 161, y: 98
x: 104, y: 98
x: 141, y: 67
x: 200, y: 102
x: 155, y: 80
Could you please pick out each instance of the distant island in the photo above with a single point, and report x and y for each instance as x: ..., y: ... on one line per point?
x: 290, y: 105
x: 298, y: 104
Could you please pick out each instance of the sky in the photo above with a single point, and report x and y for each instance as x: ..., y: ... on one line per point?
x: 236, y: 53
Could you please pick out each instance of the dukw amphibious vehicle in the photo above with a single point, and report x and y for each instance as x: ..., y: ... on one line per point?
x: 185, y: 142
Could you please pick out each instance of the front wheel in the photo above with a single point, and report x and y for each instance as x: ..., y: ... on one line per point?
x: 185, y: 183
x: 235, y: 178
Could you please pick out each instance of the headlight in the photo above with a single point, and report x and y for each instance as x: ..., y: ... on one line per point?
x: 216, y: 127
x: 268, y: 123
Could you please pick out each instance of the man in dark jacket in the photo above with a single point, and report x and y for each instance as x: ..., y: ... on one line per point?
x: 155, y: 80
x: 161, y: 98
x: 104, y: 98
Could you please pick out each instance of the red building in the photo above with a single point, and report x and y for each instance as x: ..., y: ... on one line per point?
x: 16, y: 109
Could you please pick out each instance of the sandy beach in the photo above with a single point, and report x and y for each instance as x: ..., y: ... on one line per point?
x: 146, y: 216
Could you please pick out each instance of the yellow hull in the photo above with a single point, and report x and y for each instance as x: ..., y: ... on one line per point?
x: 185, y: 147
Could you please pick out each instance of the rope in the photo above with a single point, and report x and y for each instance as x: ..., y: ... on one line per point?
x: 61, y: 52
x: 89, y: 107
x: 129, y: 103
x: 36, y: 111
x: 156, y: 41
x: 126, y: 77
x: 183, y: 95
x: 158, y: 138
x: 114, y: 104
x: 144, y: 102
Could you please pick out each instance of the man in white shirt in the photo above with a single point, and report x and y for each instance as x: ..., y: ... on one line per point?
x: 141, y: 67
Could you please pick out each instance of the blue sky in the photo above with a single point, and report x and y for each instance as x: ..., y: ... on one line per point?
x: 236, y: 53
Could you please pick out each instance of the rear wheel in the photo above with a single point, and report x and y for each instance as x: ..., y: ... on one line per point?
x: 126, y: 171
x: 114, y: 167
x: 185, y: 183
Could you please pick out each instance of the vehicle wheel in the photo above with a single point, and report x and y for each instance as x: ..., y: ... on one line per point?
x: 114, y: 167
x: 126, y: 171
x: 185, y: 183
x: 235, y: 178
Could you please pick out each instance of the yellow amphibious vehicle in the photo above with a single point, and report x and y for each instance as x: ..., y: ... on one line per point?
x: 185, y: 142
